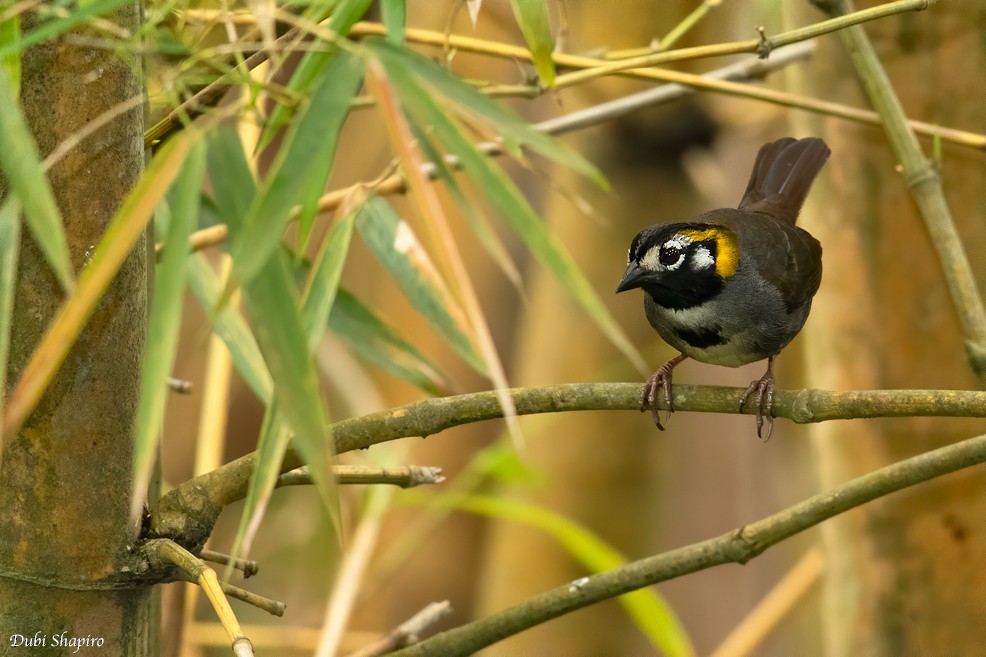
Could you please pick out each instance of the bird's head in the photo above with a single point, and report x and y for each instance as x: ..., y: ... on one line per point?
x: 681, y: 264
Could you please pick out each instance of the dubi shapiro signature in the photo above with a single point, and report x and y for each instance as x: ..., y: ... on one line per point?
x: 63, y: 640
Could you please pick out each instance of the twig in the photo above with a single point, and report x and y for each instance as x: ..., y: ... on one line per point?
x: 761, y: 46
x: 201, y: 239
x: 738, y: 546
x: 925, y: 185
x: 407, y: 633
x: 169, y: 552
x: 744, y: 639
x: 272, y: 607
x: 210, y: 95
x: 247, y: 566
x: 407, y: 476
x: 189, y: 511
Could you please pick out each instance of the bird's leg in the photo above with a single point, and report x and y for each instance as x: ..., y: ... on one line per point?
x: 764, y: 399
x: 660, y: 381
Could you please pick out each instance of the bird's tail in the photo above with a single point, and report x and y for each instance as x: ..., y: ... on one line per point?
x: 782, y: 176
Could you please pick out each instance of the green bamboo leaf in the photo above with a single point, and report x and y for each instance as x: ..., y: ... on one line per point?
x: 20, y: 163
x: 312, y: 66
x: 532, y: 16
x: 272, y: 302
x: 231, y: 179
x: 651, y: 612
x: 378, y: 343
x: 398, y: 250
x: 504, y: 195
x: 10, y: 30
x: 323, y: 280
x: 394, y: 18
x: 461, y: 98
x: 164, y: 323
x: 231, y: 328
x: 301, y: 166
x: 10, y: 229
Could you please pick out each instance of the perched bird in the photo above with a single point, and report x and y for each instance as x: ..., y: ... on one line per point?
x: 730, y: 287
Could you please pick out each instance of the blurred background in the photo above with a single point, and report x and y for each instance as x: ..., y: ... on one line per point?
x: 905, y: 572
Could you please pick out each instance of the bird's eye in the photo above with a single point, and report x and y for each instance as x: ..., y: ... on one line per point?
x: 669, y: 255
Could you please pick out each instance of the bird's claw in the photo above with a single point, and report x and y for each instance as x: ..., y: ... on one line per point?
x: 763, y: 389
x: 659, y: 381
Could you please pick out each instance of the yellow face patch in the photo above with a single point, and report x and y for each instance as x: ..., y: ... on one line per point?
x: 727, y: 248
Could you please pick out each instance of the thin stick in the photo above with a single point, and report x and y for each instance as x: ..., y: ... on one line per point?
x: 168, y: 552
x: 248, y: 567
x: 407, y: 476
x: 407, y: 633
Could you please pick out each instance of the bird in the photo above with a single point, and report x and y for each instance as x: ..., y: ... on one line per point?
x: 733, y: 286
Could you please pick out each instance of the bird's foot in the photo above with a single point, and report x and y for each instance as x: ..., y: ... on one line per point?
x: 762, y: 390
x: 659, y: 381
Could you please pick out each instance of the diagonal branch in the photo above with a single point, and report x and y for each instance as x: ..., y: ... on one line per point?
x: 738, y: 546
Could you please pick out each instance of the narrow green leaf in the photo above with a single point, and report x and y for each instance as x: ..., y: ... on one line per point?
x: 316, y: 173
x: 312, y: 66
x: 272, y: 302
x: 230, y: 177
x: 461, y: 98
x: 11, y: 62
x: 10, y: 229
x: 323, y: 280
x: 378, y: 343
x: 164, y: 323
x: 532, y: 16
x: 232, y: 329
x: 394, y: 18
x: 21, y: 164
x: 398, y: 250
x: 649, y: 609
x: 302, y: 165
x: 513, y: 207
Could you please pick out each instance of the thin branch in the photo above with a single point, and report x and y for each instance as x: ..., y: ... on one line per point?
x: 189, y: 511
x: 272, y: 607
x: 248, y: 567
x: 170, y: 553
x: 210, y: 95
x: 925, y: 185
x: 407, y: 476
x: 761, y: 46
x: 738, y: 546
x: 407, y: 633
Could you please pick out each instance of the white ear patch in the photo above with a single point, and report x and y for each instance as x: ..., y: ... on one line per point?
x: 702, y: 258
